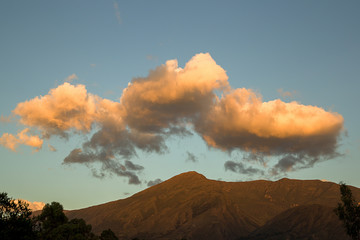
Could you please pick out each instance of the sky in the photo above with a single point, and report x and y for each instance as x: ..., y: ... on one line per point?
x: 102, y: 99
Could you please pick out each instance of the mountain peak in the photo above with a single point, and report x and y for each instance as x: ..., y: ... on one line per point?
x: 190, y: 175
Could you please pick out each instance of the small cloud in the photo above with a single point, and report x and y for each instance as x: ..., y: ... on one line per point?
x: 152, y: 58
x: 71, y: 78
x: 92, y: 65
x: 10, y: 141
x: 109, y: 93
x: 117, y: 12
x: 286, y: 94
x: 239, y: 167
x: 154, y: 182
x: 34, y: 206
x: 5, y: 119
x: 52, y: 148
x: 191, y: 157
x: 131, y: 166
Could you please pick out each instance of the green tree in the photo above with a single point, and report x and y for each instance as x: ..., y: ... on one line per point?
x: 349, y: 212
x: 15, y: 221
x: 108, y: 235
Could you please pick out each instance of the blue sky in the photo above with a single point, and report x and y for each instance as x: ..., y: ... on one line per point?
x: 309, y: 49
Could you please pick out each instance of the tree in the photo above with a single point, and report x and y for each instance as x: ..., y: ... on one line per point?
x: 75, y: 229
x: 51, y: 217
x: 108, y: 235
x: 54, y: 225
x: 15, y: 221
x: 349, y: 212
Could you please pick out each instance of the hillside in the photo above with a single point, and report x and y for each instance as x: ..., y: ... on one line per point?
x: 193, y: 207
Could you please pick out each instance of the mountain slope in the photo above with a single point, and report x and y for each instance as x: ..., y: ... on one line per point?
x: 309, y: 222
x: 193, y: 207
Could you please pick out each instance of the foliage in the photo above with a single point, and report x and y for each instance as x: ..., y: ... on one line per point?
x: 349, y: 212
x: 52, y: 216
x: 52, y: 224
x: 108, y: 235
x: 75, y: 229
x: 15, y: 222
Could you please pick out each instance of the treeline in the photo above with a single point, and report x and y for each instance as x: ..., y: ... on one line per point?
x: 17, y: 223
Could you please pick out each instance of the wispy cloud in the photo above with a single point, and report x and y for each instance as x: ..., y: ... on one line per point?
x: 176, y: 102
x: 190, y: 157
x: 71, y: 78
x: 154, y: 182
x: 52, y: 148
x: 6, y: 119
x: 287, y: 94
x: 152, y: 58
x: 239, y: 167
x: 117, y: 12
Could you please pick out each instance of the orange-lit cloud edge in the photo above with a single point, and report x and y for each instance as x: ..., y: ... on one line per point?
x: 178, y: 101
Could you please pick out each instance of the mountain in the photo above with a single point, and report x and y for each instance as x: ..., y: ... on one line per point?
x: 193, y: 207
x: 309, y: 222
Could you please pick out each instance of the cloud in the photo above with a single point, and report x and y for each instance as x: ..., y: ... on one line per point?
x: 286, y: 94
x: 191, y: 157
x: 171, y: 96
x: 71, y: 78
x: 34, y: 206
x: 152, y: 58
x: 178, y: 102
x: 154, y: 182
x: 92, y: 65
x: 5, y: 119
x: 52, y: 148
x: 239, y: 167
x: 117, y: 12
x: 67, y: 107
x: 240, y: 120
x: 10, y: 141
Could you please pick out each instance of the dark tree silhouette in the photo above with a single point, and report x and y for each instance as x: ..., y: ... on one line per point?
x: 51, y: 217
x: 51, y: 224
x: 349, y: 212
x: 15, y: 222
x: 108, y: 235
x: 75, y: 229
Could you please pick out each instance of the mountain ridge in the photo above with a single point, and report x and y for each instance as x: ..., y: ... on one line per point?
x: 191, y: 206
